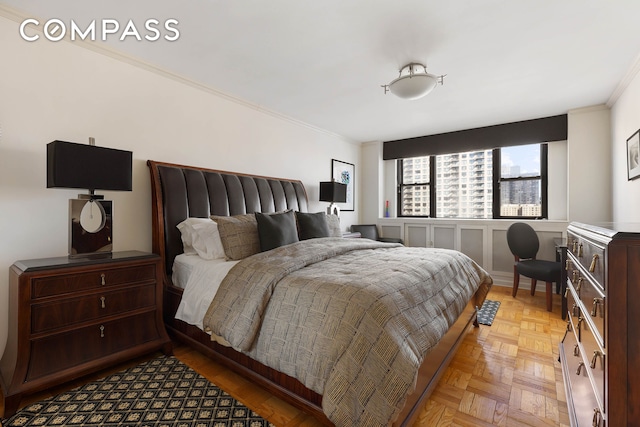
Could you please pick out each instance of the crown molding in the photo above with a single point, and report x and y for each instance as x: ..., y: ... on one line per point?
x: 625, y: 82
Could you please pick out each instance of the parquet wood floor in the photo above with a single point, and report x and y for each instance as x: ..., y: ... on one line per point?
x: 506, y: 374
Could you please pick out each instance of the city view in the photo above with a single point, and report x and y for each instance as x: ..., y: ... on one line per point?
x: 463, y: 184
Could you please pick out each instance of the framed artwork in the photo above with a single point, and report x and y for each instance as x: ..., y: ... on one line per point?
x: 633, y: 151
x: 345, y: 173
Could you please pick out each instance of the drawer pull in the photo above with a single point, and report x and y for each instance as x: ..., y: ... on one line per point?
x: 574, y: 275
x: 594, y: 310
x: 576, y: 350
x: 579, y: 284
x: 580, y: 366
x: 574, y: 246
x: 102, y: 279
x: 580, y: 250
x: 576, y: 310
x: 594, y: 359
x: 101, y: 331
x: 596, y: 417
x: 594, y: 262
x: 580, y: 319
x: 566, y: 292
x: 568, y: 265
x: 568, y: 325
x: 102, y: 302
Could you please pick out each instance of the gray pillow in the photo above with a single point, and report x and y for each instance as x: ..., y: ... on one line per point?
x: 312, y: 225
x: 276, y: 230
x: 239, y: 235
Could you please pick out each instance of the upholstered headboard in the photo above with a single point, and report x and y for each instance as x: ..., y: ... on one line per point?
x: 179, y: 192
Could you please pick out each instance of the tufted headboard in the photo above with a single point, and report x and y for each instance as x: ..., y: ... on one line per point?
x: 179, y: 192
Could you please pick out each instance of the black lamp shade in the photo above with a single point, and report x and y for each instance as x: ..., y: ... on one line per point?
x: 71, y: 165
x: 334, y: 192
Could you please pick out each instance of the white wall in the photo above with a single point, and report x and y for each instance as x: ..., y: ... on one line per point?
x: 625, y: 120
x: 63, y: 91
x: 589, y: 165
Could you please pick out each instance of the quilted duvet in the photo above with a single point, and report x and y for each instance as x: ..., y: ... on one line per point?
x: 352, y: 319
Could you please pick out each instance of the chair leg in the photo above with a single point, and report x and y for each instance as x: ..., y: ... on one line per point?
x: 534, y: 282
x: 549, y: 295
x: 516, y: 282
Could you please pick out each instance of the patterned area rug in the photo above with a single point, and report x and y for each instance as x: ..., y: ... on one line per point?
x: 488, y: 312
x: 159, y: 392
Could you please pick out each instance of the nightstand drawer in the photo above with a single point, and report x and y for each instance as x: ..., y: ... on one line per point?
x: 73, y: 282
x: 68, y: 312
x: 55, y: 353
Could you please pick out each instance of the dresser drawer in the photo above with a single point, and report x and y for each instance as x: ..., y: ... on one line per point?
x: 55, y: 353
x: 576, y: 377
x: 70, y: 311
x: 574, y: 312
x: 61, y: 284
x: 593, y: 301
x: 590, y: 255
x: 594, y: 357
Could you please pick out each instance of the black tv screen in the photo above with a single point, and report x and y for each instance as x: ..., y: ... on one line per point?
x: 72, y: 165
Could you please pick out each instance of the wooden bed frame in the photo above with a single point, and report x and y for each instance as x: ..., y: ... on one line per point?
x: 181, y: 191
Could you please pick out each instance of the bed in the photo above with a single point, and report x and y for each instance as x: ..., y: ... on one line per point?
x: 240, y: 325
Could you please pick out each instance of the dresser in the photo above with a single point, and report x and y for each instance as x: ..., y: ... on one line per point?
x: 72, y: 316
x: 600, y: 351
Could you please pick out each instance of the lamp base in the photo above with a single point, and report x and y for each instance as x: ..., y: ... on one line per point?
x: 333, y: 209
x: 90, y: 227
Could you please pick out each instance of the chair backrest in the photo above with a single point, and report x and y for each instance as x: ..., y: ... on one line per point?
x: 523, y: 240
x: 368, y: 231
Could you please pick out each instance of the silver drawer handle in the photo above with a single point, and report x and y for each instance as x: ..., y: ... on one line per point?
x: 102, y: 302
x: 102, y: 279
x: 101, y: 331
x: 596, y: 418
x: 576, y: 350
x: 576, y: 310
x: 580, y: 250
x: 579, y: 284
x: 594, y: 309
x: 580, y: 366
x: 594, y: 359
x: 594, y: 262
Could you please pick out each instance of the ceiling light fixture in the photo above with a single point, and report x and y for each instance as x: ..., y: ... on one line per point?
x: 414, y: 82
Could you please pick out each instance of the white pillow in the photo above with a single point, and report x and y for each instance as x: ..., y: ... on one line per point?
x: 200, y: 236
x: 207, y: 241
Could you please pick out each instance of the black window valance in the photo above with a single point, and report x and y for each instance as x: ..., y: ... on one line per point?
x: 535, y: 131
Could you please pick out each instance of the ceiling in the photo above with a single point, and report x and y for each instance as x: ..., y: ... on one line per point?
x: 323, y: 62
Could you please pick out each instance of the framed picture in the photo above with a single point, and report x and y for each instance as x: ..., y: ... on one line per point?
x: 345, y: 173
x: 633, y: 150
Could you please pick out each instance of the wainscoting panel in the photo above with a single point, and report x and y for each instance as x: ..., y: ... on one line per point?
x: 484, y: 241
x: 473, y: 243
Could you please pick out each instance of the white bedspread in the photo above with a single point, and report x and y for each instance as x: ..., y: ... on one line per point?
x: 203, y: 278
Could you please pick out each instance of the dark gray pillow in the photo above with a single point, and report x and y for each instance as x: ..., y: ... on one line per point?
x: 312, y: 225
x: 276, y: 230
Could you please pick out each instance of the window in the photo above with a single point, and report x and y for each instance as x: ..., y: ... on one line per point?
x: 462, y: 185
x: 522, y: 182
x: 415, y: 192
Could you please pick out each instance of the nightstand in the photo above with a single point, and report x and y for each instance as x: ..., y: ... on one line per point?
x: 72, y: 316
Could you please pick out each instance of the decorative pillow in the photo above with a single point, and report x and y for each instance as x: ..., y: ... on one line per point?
x: 333, y: 221
x: 312, y: 225
x: 276, y: 229
x: 239, y: 234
